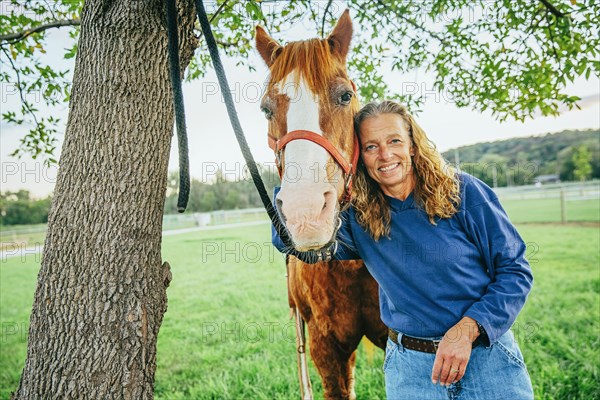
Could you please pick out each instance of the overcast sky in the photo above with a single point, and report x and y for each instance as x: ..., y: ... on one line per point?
x: 212, y: 142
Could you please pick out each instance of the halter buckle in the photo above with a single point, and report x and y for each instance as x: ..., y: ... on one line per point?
x: 278, y: 162
x: 327, y: 254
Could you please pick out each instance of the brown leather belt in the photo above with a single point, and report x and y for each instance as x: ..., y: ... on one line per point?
x: 411, y: 343
x: 423, y: 345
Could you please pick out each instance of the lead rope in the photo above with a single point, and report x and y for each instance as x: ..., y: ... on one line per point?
x: 306, y: 256
x: 182, y: 143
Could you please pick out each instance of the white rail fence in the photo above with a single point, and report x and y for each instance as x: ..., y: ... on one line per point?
x: 564, y: 192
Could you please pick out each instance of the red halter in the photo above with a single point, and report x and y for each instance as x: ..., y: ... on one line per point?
x: 349, y: 168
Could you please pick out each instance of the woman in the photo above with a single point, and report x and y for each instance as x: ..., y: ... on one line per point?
x: 451, y: 267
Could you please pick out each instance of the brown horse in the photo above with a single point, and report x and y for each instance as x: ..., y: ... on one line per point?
x: 309, y: 90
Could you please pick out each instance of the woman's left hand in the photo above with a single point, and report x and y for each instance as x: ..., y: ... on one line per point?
x: 454, y: 351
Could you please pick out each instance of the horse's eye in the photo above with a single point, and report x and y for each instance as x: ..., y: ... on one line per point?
x: 345, y: 98
x: 268, y: 113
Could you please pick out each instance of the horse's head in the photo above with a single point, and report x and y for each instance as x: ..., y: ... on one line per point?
x: 310, y: 103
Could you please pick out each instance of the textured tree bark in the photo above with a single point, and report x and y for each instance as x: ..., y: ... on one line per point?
x: 101, y: 291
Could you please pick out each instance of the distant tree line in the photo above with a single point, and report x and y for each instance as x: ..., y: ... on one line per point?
x: 570, y: 155
x: 18, y: 208
x: 221, y: 192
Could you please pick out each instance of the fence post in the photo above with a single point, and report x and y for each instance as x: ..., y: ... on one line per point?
x: 563, y: 206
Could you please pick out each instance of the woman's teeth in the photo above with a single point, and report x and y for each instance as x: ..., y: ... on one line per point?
x: 388, y: 168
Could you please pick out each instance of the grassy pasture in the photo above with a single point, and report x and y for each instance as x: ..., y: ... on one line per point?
x: 227, y: 332
x: 549, y: 210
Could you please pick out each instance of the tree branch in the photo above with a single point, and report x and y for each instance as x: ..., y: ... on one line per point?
x: 225, y: 44
x: 552, y: 44
x: 325, y: 17
x: 15, y: 37
x: 219, y: 10
x: 413, y: 24
x: 50, y: 9
x: 220, y: 42
x: 20, y: 87
x: 553, y: 9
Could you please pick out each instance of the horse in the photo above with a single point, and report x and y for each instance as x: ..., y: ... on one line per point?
x: 309, y: 96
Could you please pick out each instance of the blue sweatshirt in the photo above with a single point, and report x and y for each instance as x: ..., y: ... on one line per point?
x: 430, y: 276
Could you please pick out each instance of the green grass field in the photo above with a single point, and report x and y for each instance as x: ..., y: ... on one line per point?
x: 16, y: 237
x: 227, y: 335
x: 549, y: 210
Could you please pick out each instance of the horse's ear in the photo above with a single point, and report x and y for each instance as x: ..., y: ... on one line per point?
x: 268, y: 47
x: 340, y: 38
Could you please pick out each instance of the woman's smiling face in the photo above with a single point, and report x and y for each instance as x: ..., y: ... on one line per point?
x: 386, y: 149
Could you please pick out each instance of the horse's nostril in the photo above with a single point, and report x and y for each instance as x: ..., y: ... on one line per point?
x: 328, y: 198
x: 279, y: 204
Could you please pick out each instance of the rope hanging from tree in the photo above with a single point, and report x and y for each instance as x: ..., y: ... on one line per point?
x: 182, y: 143
x: 312, y: 256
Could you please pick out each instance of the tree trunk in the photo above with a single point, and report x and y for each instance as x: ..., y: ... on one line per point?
x: 101, y: 290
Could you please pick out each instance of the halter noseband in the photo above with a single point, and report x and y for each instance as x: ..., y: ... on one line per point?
x: 349, y: 168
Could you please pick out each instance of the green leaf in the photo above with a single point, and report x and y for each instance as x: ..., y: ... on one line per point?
x: 254, y: 10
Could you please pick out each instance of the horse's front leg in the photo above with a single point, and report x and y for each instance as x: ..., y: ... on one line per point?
x: 335, y: 362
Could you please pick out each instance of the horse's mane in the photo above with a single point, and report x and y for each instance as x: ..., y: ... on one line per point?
x: 310, y: 59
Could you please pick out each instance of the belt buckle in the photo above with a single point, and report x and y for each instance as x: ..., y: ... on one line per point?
x: 393, y: 335
x: 436, y: 344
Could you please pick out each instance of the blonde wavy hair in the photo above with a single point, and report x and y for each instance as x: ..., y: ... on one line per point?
x: 436, y: 183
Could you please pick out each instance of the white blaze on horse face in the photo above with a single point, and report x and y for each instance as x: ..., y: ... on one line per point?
x: 303, y: 114
x: 307, y: 200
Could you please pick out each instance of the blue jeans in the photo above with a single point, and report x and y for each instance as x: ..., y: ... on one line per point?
x: 494, y: 372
